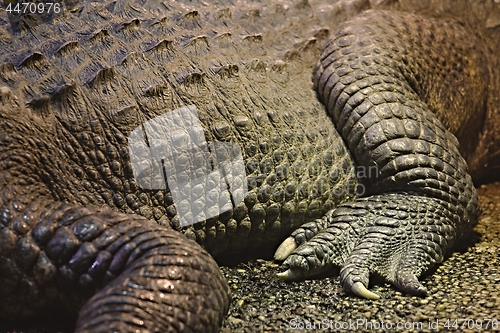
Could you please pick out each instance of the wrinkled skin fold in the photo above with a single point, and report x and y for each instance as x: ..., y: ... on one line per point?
x: 309, y: 102
x: 141, y: 275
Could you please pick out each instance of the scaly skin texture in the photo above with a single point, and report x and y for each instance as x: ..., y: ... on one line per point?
x: 75, y: 222
x: 59, y: 254
x: 379, y: 90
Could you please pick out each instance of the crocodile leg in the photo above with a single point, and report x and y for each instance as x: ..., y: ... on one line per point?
x: 384, y: 95
x: 56, y: 255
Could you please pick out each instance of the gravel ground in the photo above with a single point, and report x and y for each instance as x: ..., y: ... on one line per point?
x: 464, y: 294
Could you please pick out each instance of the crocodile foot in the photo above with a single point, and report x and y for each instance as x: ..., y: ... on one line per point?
x: 398, y: 236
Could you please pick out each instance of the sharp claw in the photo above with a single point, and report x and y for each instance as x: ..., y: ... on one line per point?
x: 290, y: 275
x: 285, y: 249
x: 360, y: 290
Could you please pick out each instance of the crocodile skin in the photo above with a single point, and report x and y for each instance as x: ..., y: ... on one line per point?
x: 208, y: 119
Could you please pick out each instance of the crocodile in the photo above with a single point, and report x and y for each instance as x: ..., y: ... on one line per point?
x: 144, y: 142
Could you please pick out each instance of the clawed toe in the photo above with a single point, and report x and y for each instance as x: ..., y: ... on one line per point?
x: 354, y: 279
x: 409, y: 283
